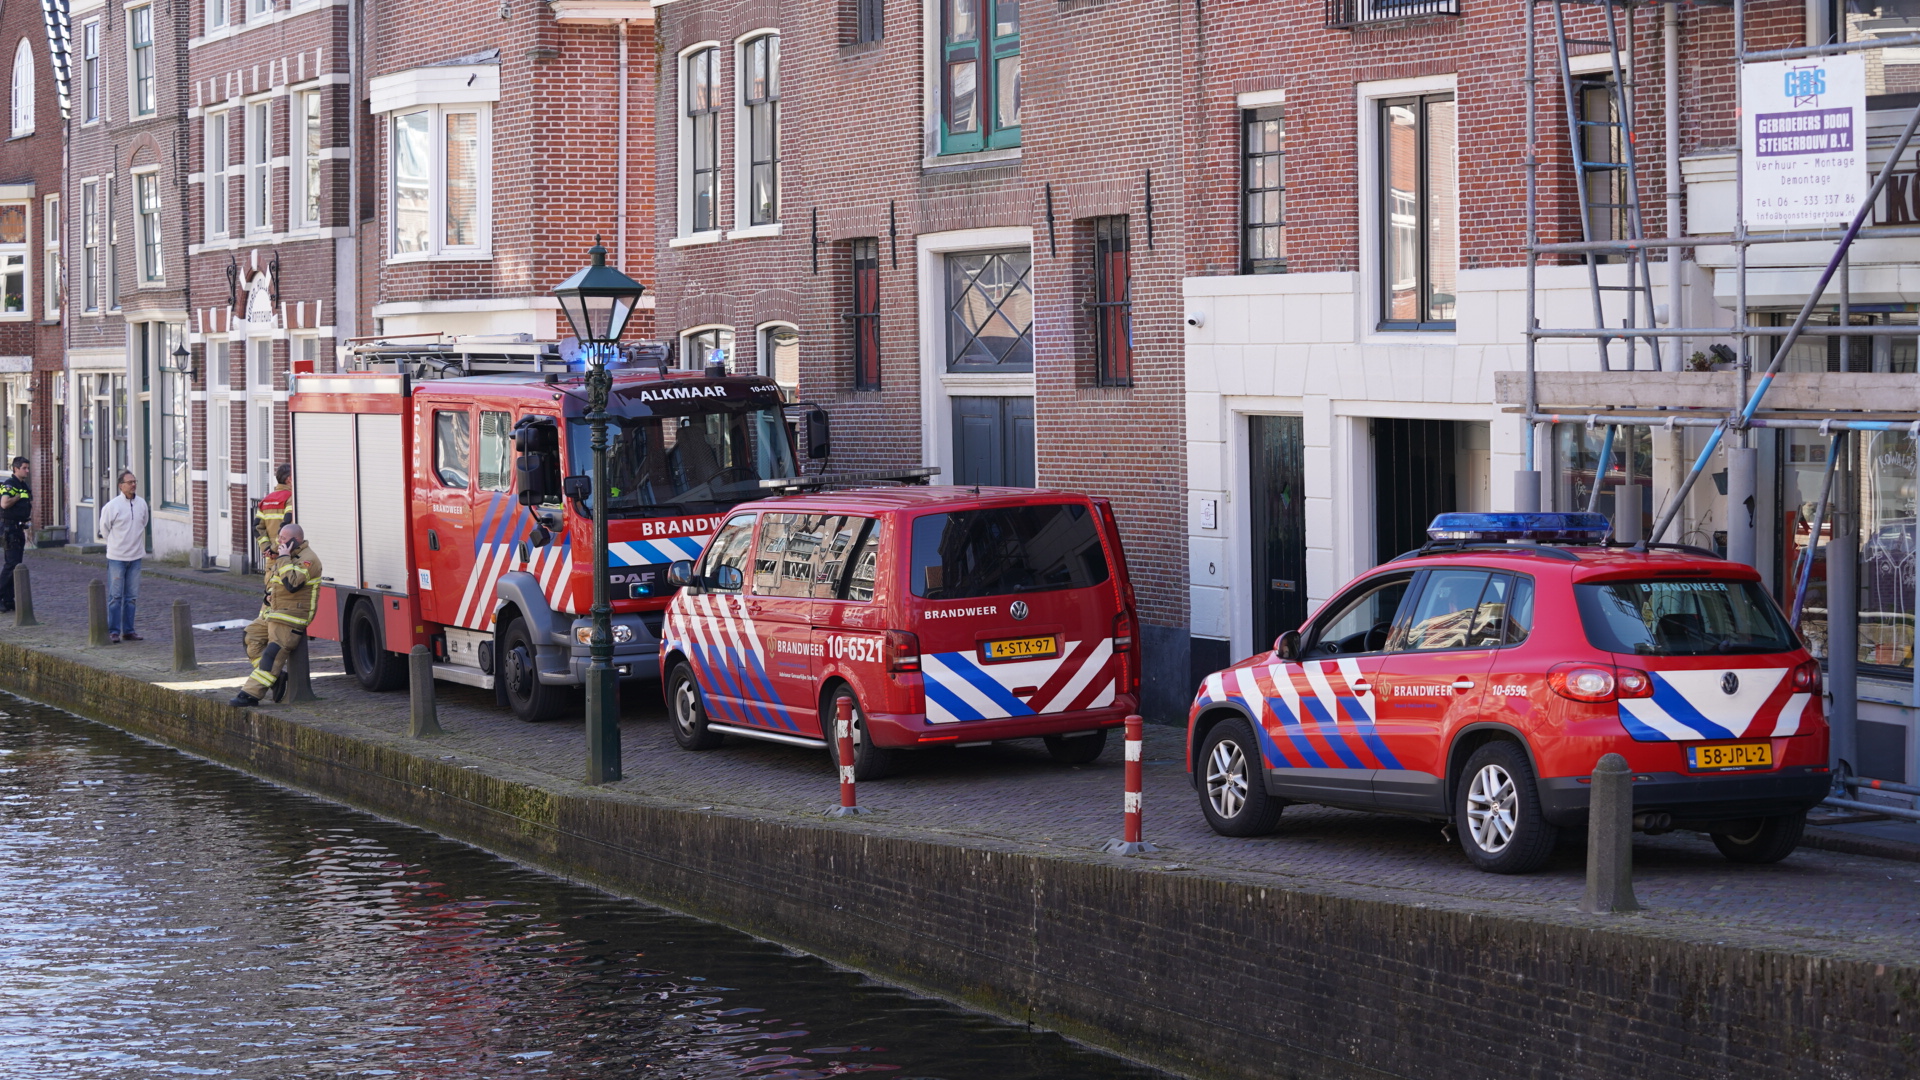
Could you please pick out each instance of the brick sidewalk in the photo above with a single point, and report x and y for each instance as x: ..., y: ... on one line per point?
x: 1013, y: 796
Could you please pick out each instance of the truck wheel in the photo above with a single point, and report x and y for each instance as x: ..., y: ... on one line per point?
x: 1762, y: 840
x: 1233, y: 791
x: 375, y: 667
x: 1497, y: 811
x: 688, y: 712
x: 532, y: 700
x: 1077, y: 750
x: 870, y: 762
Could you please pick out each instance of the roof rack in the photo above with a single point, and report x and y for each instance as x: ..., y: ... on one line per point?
x: 786, y: 485
x: 496, y: 354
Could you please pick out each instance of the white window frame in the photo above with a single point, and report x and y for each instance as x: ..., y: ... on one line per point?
x: 50, y: 273
x: 309, y: 134
x: 218, y: 15
x: 938, y: 386
x: 732, y: 349
x: 683, y: 173
x: 134, y: 104
x: 217, y: 145
x: 744, y: 226
x: 258, y: 10
x: 763, y: 336
x: 1368, y: 96
x: 258, y: 155
x: 436, y: 246
x: 149, y: 232
x: 22, y: 97
x: 22, y: 251
x: 92, y: 230
x: 93, y: 82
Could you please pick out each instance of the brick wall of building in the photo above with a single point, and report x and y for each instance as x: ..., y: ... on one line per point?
x: 1100, y: 114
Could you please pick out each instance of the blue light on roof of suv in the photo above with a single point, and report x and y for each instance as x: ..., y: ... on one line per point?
x: 1539, y: 528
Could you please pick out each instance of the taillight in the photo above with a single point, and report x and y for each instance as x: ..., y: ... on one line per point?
x: 1807, y: 676
x: 1632, y: 682
x: 1582, y: 682
x: 903, y: 651
x: 1123, y: 631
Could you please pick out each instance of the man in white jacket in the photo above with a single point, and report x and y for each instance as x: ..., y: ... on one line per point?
x: 124, y: 524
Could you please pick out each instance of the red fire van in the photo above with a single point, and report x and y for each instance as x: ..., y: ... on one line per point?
x: 950, y: 616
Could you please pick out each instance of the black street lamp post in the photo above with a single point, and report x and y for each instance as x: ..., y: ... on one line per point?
x: 598, y: 301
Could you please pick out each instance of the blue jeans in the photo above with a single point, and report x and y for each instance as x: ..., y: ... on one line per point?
x: 123, y: 589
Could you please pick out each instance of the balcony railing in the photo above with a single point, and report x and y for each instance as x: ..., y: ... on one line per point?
x: 1352, y: 13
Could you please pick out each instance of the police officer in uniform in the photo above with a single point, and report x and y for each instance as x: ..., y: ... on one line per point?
x: 293, y: 595
x: 16, y: 516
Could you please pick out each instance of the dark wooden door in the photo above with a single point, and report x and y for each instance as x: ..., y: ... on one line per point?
x: 1414, y: 479
x: 993, y: 441
x: 1279, y: 524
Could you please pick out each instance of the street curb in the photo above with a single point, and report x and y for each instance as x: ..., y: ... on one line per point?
x: 1209, y: 976
x: 1856, y: 844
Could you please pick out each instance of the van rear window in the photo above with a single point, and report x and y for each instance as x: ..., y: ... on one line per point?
x: 1683, y: 618
x: 1006, y: 549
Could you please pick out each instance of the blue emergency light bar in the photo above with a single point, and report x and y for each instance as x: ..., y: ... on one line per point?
x: 1537, y: 528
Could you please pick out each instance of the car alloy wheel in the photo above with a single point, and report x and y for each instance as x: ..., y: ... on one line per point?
x: 1227, y: 778
x: 1492, y: 805
x: 686, y: 707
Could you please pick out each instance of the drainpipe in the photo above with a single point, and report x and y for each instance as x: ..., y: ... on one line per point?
x: 1843, y: 620
x: 620, y: 196
x: 1670, y: 35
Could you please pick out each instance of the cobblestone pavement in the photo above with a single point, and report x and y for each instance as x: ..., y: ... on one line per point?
x: 1012, y: 797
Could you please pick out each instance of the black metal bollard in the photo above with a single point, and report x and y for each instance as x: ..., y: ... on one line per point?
x: 426, y: 718
x: 1610, y: 840
x: 97, y: 613
x: 300, y: 675
x: 23, y: 598
x: 183, y: 658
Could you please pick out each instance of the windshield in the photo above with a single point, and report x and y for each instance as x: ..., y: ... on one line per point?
x: 1009, y: 549
x: 1683, y: 618
x: 687, y: 464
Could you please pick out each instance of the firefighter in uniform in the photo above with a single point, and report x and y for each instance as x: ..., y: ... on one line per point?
x: 276, y: 509
x: 293, y: 595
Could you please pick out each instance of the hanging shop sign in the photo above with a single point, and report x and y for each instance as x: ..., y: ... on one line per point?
x: 1804, y: 150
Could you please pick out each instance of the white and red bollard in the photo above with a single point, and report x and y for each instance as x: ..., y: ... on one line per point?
x: 1131, y: 843
x: 843, y: 728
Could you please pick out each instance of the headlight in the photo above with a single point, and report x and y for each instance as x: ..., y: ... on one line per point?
x: 621, y: 634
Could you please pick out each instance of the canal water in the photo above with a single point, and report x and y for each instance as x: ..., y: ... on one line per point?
x: 160, y: 916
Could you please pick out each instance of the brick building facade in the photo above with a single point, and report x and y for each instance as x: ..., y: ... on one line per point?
x: 32, y: 411
x: 124, y: 194
x: 943, y: 224
x: 271, y: 238
x: 494, y: 154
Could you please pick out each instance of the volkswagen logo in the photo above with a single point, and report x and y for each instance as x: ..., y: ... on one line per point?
x: 1730, y: 683
x: 1019, y: 611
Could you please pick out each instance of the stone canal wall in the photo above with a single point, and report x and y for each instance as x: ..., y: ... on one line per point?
x: 1202, y: 974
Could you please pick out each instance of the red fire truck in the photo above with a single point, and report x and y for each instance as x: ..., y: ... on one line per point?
x: 445, y: 488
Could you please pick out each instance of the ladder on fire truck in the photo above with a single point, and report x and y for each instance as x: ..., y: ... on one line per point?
x: 1606, y: 174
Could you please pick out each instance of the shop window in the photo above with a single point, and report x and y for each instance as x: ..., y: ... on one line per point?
x: 1883, y: 479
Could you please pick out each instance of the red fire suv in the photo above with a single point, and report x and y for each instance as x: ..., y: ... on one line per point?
x: 1480, y: 678
x: 948, y: 615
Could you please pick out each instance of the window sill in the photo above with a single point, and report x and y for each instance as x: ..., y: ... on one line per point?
x: 18, y: 316
x: 982, y: 159
x: 440, y: 256
x: 27, y: 134
x: 712, y: 236
x: 1383, y: 336
x: 755, y: 232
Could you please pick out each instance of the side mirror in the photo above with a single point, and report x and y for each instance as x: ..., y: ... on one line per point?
x: 819, y: 443
x: 577, y: 488
x: 680, y: 573
x: 728, y: 578
x: 1287, y: 646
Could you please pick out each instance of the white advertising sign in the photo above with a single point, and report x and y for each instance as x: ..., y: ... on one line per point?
x: 1805, y: 144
